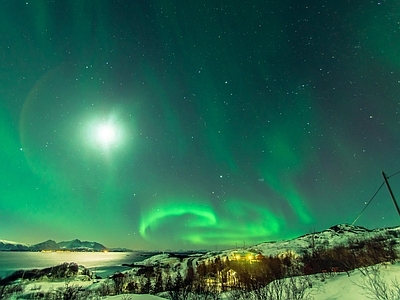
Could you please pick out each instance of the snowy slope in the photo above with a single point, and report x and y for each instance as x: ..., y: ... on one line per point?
x: 134, y: 297
x: 75, y: 245
x: 12, y: 246
x: 343, y: 287
x: 81, y: 245
x: 334, y: 236
x: 339, y: 286
x: 11, y: 242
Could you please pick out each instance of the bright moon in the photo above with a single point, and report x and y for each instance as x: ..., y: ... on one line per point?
x: 106, y: 134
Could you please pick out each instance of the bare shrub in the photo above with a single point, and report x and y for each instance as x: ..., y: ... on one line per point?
x: 203, y: 290
x: 106, y: 288
x: 119, y: 282
x: 2, y: 290
x: 237, y: 294
x: 7, y: 291
x: 146, y: 285
x: 132, y: 286
x: 358, y: 253
x: 69, y: 292
x: 158, y: 286
x: 294, y: 288
x: 376, y: 287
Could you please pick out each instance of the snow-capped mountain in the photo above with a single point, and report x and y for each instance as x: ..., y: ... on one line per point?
x: 50, y: 245
x: 13, y: 246
x: 337, y: 235
x: 78, y: 245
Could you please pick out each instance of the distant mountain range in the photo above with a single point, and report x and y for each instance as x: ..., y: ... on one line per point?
x: 50, y: 245
x: 340, y: 234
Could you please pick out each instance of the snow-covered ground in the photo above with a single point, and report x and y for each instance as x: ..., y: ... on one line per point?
x: 343, y: 287
x: 134, y: 297
x: 45, y: 286
x: 338, y: 286
x: 354, y: 286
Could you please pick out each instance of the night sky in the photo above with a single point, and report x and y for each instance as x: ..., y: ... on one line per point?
x: 196, y: 124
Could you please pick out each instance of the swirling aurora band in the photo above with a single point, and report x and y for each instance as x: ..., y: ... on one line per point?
x: 198, y: 224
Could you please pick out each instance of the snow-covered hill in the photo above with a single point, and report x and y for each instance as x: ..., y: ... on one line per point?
x: 335, y: 236
x: 13, y: 246
x: 78, y: 245
x: 338, y: 235
x: 50, y: 245
x: 338, y: 286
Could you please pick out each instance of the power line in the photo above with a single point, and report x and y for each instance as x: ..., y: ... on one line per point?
x: 393, y: 174
x: 369, y: 202
x: 386, y: 177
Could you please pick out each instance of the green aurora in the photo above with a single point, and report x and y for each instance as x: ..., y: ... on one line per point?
x: 155, y: 125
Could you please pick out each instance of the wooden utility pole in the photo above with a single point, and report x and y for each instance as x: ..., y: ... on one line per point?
x: 391, y: 193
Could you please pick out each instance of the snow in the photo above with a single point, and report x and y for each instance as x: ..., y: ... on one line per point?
x: 323, y: 286
x: 155, y: 259
x: 13, y: 243
x: 344, y: 287
x: 134, y: 297
x: 338, y: 286
x: 54, y: 285
x: 341, y: 285
x: 48, y: 286
x: 335, y: 236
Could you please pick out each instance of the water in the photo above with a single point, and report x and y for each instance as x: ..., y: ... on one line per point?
x: 104, y: 264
